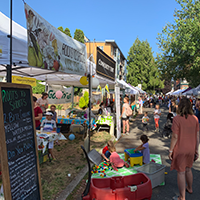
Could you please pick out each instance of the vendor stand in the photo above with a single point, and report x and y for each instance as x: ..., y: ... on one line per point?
x: 43, y: 138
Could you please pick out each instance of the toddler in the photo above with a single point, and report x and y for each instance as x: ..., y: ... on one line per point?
x: 145, y: 120
x: 49, y: 125
x: 144, y: 148
x: 105, y: 152
x: 115, y: 160
x: 157, y: 114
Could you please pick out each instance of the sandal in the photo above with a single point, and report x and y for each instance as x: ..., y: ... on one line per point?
x: 188, y: 191
x: 175, y: 198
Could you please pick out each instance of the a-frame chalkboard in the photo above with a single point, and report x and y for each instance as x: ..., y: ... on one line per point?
x: 18, y: 144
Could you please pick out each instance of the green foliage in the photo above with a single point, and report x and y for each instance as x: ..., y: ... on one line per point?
x: 77, y: 91
x: 59, y: 107
x: 179, y: 44
x: 84, y: 100
x: 79, y: 35
x: 60, y: 28
x: 38, y: 89
x: 66, y: 31
x: 142, y: 68
x: 86, y: 97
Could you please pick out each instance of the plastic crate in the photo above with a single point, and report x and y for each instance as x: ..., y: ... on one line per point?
x: 155, y: 172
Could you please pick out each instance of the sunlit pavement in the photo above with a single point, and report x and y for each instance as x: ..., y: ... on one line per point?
x: 159, y: 145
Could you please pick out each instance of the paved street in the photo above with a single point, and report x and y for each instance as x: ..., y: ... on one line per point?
x: 159, y: 145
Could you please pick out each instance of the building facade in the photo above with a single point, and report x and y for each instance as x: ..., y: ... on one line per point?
x: 112, y: 50
x: 181, y: 84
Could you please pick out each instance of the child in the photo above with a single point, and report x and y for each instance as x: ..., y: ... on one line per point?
x: 49, y: 125
x: 144, y: 148
x: 105, y: 152
x: 115, y: 160
x: 53, y: 110
x: 145, y: 120
x: 157, y: 114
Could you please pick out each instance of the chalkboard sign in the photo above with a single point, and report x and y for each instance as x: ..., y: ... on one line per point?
x: 19, y: 155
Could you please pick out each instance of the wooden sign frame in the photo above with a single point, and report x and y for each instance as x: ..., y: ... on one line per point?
x: 3, y: 145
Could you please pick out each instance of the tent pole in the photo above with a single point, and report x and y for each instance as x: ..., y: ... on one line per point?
x: 9, y: 67
x: 72, y: 96
x: 90, y: 96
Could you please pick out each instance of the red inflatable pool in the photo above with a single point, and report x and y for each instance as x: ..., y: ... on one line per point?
x: 132, y: 187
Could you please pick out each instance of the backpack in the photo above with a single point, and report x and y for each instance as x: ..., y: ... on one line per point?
x: 129, y: 111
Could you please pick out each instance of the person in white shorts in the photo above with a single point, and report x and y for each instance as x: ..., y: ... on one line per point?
x: 49, y: 125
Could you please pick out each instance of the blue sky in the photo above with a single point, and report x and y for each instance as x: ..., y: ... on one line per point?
x: 122, y: 21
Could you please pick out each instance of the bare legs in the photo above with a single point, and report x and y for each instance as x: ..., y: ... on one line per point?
x: 125, y: 126
x: 189, y: 179
x: 182, y: 179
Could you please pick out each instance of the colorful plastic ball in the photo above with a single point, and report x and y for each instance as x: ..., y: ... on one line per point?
x: 71, y: 136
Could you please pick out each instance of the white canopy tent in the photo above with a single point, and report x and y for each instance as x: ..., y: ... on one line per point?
x: 20, y: 62
x: 127, y: 87
x: 194, y: 91
x: 141, y: 91
x: 177, y: 92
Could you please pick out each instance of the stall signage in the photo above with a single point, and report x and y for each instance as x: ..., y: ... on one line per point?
x: 19, y: 156
x: 66, y: 97
x: 24, y: 80
x: 105, y: 65
x: 49, y: 48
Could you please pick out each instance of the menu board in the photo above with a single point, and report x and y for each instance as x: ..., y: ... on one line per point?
x: 20, y: 169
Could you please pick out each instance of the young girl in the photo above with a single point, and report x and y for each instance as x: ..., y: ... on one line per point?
x: 105, y: 152
x: 115, y: 160
x: 157, y: 114
x: 144, y: 148
x: 125, y: 118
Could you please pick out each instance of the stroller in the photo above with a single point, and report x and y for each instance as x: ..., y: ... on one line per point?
x: 168, y: 125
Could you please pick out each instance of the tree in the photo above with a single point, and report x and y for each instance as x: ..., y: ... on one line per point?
x: 39, y: 88
x: 79, y: 35
x: 66, y: 31
x: 179, y: 43
x: 142, y: 68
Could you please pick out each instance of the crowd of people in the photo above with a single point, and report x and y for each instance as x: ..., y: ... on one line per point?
x: 183, y: 119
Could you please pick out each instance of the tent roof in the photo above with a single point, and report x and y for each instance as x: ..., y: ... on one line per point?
x: 20, y: 59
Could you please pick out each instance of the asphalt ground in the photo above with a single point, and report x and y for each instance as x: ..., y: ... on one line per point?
x: 159, y: 145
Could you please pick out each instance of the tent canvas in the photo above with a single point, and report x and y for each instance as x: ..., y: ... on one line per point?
x: 188, y: 89
x: 19, y: 52
x: 20, y: 55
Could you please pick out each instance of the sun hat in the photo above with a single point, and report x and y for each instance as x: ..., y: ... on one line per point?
x: 49, y: 113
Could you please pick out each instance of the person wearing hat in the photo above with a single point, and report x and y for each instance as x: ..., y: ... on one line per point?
x: 49, y: 125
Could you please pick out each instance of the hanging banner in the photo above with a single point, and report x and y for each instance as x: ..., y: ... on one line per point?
x: 24, y: 80
x: 118, y: 111
x: 105, y: 65
x: 49, y: 48
x: 66, y: 97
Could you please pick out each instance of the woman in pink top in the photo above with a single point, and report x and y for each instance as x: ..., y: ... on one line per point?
x: 115, y: 160
x: 184, y: 146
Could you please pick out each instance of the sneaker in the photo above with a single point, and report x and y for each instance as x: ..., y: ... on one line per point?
x: 123, y: 133
x: 127, y: 133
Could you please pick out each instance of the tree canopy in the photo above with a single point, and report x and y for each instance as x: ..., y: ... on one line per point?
x: 142, y: 68
x: 66, y: 31
x: 179, y: 44
x: 79, y: 35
